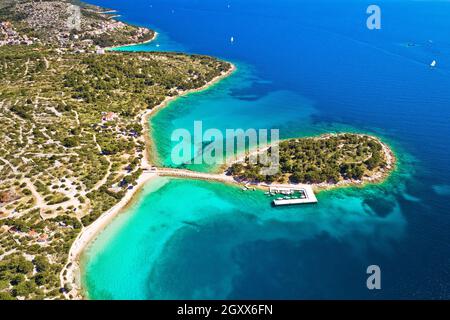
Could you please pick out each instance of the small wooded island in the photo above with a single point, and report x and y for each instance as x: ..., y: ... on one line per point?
x: 326, y: 160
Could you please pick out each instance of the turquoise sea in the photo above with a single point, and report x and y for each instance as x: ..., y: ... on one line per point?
x: 305, y: 67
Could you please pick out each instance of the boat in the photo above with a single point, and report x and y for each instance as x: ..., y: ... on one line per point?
x: 433, y: 64
x: 232, y: 39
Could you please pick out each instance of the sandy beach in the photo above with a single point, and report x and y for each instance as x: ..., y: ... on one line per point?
x: 88, y: 233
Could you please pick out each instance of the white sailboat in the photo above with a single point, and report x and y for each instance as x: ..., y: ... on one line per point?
x: 232, y: 39
x: 433, y: 64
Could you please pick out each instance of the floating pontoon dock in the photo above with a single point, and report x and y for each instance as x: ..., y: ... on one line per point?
x: 306, y: 195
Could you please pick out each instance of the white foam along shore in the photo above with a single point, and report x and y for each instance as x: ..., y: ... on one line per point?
x: 71, y: 273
